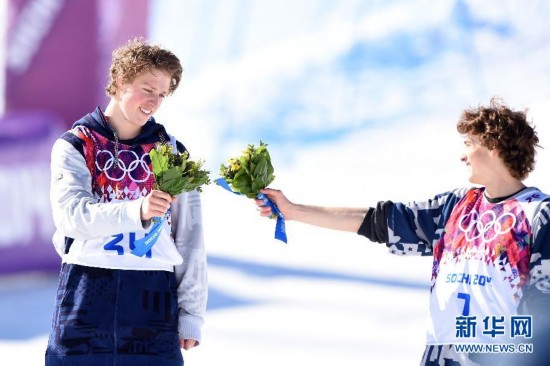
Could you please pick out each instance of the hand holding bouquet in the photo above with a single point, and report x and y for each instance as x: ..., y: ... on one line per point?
x: 247, y: 174
x: 174, y: 173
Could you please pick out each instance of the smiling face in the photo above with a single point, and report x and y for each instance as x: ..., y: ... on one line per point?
x: 479, y: 160
x: 141, y: 98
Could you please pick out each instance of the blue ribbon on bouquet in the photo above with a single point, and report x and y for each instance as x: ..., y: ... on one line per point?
x: 143, y: 245
x: 280, y: 230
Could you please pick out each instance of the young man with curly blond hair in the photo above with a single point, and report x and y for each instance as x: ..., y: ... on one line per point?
x: 490, y: 245
x: 114, y: 307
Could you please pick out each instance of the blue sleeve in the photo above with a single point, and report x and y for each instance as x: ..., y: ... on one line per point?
x: 413, y: 228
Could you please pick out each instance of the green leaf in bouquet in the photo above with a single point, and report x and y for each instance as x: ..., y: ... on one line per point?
x: 159, y: 162
x: 169, y: 181
x: 240, y: 173
x: 244, y: 160
x: 261, y: 169
x: 255, y: 186
x: 242, y: 183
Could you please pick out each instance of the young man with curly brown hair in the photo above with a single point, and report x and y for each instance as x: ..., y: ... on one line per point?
x: 490, y: 289
x: 114, y: 307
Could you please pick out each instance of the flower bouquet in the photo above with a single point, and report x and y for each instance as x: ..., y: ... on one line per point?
x: 174, y: 173
x: 247, y: 174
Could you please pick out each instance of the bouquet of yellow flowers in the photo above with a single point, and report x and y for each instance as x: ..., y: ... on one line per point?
x: 174, y: 173
x: 247, y: 174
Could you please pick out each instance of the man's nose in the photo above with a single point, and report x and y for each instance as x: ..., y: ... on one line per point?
x: 154, y: 100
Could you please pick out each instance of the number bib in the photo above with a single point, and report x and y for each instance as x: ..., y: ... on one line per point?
x: 115, y: 252
x: 473, y: 290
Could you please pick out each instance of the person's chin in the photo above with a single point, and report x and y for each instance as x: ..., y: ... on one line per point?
x: 473, y: 180
x: 143, y: 118
x: 141, y: 121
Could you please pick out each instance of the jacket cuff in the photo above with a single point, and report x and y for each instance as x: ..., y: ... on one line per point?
x: 375, y: 224
x: 189, y: 327
x: 132, y: 211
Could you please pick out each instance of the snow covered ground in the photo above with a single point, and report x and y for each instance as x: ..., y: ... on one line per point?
x: 322, y: 299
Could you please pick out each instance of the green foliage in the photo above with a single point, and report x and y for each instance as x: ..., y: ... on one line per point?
x: 249, y: 172
x: 175, y: 173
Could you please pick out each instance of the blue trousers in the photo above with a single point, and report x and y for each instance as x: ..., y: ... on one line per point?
x: 114, y: 317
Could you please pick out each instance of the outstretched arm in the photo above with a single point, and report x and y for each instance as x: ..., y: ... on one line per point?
x: 335, y: 218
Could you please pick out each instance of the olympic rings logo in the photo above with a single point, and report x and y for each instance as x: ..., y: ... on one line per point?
x: 136, y: 162
x: 487, y: 226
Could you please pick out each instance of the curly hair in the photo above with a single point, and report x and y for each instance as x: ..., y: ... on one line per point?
x: 137, y: 56
x: 499, y: 127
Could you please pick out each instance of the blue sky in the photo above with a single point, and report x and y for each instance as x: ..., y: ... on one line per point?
x: 307, y: 74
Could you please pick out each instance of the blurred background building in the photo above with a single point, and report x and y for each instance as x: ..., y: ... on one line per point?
x: 56, y: 55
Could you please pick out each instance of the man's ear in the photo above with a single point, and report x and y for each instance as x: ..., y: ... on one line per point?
x: 119, y: 84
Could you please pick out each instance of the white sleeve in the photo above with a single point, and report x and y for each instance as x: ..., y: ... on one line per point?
x: 76, y: 212
x: 191, y: 275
